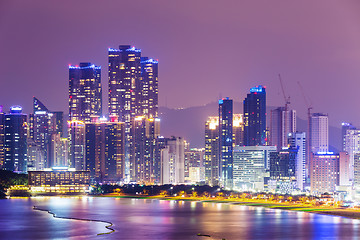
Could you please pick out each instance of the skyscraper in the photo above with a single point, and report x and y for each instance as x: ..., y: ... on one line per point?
x: 133, y: 92
x: 238, y: 130
x: 105, y: 150
x: 282, y: 122
x: 2, y: 137
x: 319, y: 133
x: 344, y: 127
x: 255, y: 117
x: 298, y: 140
x: 76, y: 137
x: 149, y: 87
x: 226, y: 142
x: 15, y: 140
x: 85, y: 92
x: 212, y: 172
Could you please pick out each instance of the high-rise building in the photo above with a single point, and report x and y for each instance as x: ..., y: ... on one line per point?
x: 324, y: 172
x: 255, y: 117
x: 283, y: 170
x: 194, y: 158
x: 352, y: 147
x: 35, y: 155
x: 344, y: 169
x: 172, y: 161
x: 212, y: 171
x: 319, y: 133
x: 282, y: 122
x: 85, y: 94
x: 2, y: 137
x: 238, y: 130
x: 344, y: 127
x: 145, y: 133
x: 133, y: 91
x: 250, y: 166
x: 149, y: 87
x: 298, y: 140
x: 58, y: 151
x: 226, y: 142
x: 76, y: 137
x: 42, y: 124
x: 105, y: 150
x: 15, y: 140
x: 356, y: 182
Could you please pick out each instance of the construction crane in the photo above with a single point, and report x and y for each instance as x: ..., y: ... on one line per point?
x: 287, y: 99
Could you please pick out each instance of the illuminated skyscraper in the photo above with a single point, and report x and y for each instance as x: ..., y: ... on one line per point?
x: 15, y: 140
x: 105, y: 150
x: 85, y: 92
x: 76, y: 137
x: 319, y: 133
x: 282, y: 122
x: 133, y: 91
x: 212, y: 172
x: 238, y: 130
x: 298, y: 140
x: 226, y: 142
x: 149, y: 87
x: 2, y: 137
x: 344, y: 128
x: 194, y: 158
x: 42, y: 124
x: 255, y: 117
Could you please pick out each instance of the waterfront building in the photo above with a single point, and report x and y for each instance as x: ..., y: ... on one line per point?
x: 85, y: 94
x: 352, y: 146
x: 319, y: 133
x: 324, y: 172
x: 344, y: 169
x: 238, y: 130
x: 226, y: 142
x: 356, y: 182
x: 133, y: 91
x: 344, y: 127
x: 149, y: 87
x: 42, y: 124
x: 58, y: 150
x: 250, y: 166
x: 59, y: 180
x: 76, y: 135
x: 282, y: 122
x: 15, y: 140
x: 104, y: 144
x: 194, y: 158
x: 255, y: 117
x: 212, y: 172
x: 2, y: 137
x: 172, y: 161
x: 283, y: 170
x: 298, y: 140
x: 35, y: 154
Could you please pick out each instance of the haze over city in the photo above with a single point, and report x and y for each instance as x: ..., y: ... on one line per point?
x: 205, y: 50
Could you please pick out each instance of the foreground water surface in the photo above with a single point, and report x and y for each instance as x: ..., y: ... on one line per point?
x: 161, y: 219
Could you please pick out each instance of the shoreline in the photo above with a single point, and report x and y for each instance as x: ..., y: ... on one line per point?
x: 339, y: 212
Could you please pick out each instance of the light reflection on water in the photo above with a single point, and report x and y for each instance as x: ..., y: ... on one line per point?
x: 161, y: 219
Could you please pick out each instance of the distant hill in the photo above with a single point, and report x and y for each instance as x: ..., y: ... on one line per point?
x: 190, y: 123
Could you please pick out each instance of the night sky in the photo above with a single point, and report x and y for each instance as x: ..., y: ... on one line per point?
x: 206, y: 49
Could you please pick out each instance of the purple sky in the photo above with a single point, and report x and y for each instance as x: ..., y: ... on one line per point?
x: 205, y: 49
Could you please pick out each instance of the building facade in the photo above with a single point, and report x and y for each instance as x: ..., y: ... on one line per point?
x: 255, y: 117
x: 324, y: 173
x: 85, y: 94
x: 282, y: 122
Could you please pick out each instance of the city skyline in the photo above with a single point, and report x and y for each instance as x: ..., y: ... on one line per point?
x: 263, y: 45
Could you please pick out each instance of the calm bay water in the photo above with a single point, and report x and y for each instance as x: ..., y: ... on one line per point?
x: 160, y: 219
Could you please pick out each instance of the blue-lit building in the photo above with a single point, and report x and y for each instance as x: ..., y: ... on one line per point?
x: 15, y: 140
x: 85, y: 94
x: 2, y: 137
x: 226, y: 142
x: 149, y: 87
x: 255, y: 117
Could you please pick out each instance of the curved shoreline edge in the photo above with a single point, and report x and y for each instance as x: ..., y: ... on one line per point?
x: 110, y: 224
x: 336, y: 212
